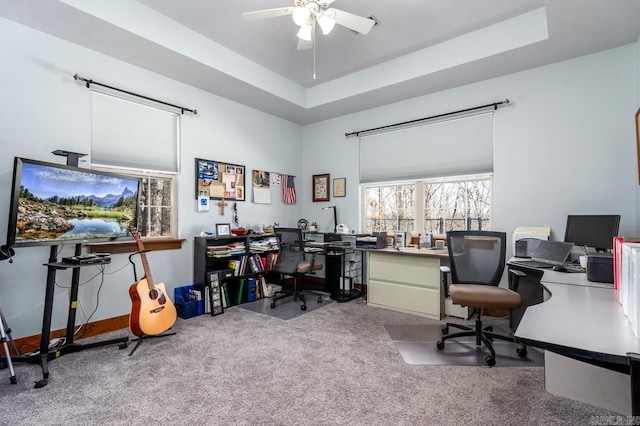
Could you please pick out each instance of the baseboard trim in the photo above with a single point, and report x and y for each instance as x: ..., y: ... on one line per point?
x: 32, y: 343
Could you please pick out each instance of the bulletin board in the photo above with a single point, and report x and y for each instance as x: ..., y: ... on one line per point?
x: 220, y: 180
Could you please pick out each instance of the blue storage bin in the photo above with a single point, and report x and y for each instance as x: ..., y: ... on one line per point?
x: 186, y: 306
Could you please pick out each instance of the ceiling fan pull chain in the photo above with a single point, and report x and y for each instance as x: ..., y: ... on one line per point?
x: 314, y: 50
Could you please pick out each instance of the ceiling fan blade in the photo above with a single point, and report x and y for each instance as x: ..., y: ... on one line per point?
x: 267, y: 13
x: 355, y: 23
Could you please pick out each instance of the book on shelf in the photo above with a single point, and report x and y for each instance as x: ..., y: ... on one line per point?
x: 264, y: 291
x: 241, y: 290
x: 225, y: 295
x: 252, y: 289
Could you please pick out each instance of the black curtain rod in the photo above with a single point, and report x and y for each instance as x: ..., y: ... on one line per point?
x: 89, y: 82
x: 495, y: 106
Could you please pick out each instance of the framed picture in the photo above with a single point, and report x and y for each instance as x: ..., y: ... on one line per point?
x: 215, y: 294
x: 638, y: 141
x: 321, y: 187
x: 340, y: 187
x: 223, y: 230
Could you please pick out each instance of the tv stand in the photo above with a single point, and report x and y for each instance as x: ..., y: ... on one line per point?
x: 45, y: 354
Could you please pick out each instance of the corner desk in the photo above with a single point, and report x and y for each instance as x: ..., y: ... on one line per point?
x: 591, y: 353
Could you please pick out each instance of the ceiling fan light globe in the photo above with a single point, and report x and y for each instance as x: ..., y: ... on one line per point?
x: 301, y: 15
x: 326, y: 23
x: 305, y: 32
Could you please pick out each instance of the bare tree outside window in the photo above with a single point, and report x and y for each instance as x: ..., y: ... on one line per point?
x: 390, y: 208
x: 457, y: 205
x: 449, y: 204
x: 156, y: 207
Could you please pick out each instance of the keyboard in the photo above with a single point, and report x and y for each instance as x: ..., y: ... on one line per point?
x: 532, y: 264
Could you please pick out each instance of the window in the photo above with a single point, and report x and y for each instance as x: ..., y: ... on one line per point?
x: 157, y: 216
x: 143, y: 141
x: 390, y: 207
x: 432, y: 206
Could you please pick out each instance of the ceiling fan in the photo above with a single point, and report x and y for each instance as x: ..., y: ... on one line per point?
x: 308, y: 13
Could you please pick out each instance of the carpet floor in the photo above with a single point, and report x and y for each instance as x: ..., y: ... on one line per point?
x: 286, y: 309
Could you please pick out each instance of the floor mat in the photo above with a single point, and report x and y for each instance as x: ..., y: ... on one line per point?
x: 417, y: 345
x: 286, y: 309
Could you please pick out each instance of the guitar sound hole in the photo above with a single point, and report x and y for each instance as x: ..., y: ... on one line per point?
x: 155, y: 294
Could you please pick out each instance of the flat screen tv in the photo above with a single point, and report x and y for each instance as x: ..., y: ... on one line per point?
x: 595, y: 231
x: 55, y: 204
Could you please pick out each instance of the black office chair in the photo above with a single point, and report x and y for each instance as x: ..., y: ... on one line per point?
x: 477, y: 262
x: 291, y: 262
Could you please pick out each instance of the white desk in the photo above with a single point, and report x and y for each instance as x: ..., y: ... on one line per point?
x: 582, y: 325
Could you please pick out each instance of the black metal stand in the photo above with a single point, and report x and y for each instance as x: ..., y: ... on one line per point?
x: 140, y: 339
x: 67, y: 345
x: 336, y: 272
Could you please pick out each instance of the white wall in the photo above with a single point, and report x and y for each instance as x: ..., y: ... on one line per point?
x: 566, y: 145
x: 44, y: 109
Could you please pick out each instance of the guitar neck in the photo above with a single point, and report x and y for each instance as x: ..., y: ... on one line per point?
x: 143, y: 257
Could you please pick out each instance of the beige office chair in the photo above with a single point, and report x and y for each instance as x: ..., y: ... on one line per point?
x: 477, y: 262
x: 291, y: 262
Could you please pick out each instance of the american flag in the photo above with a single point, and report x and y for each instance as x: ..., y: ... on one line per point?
x: 288, y: 190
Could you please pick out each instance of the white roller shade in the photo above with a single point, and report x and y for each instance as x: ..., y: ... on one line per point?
x: 133, y: 135
x: 455, y: 147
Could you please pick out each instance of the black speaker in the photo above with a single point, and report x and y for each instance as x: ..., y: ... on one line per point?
x: 6, y: 253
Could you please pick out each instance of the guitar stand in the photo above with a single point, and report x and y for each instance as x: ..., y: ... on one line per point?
x: 140, y: 339
x: 144, y: 337
x: 5, y: 336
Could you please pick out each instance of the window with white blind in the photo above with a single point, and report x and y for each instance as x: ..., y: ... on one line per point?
x: 430, y: 178
x: 143, y: 141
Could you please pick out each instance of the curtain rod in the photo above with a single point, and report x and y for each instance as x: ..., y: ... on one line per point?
x: 89, y: 82
x: 495, y: 106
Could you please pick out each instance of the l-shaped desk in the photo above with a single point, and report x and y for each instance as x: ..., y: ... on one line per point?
x: 591, y: 353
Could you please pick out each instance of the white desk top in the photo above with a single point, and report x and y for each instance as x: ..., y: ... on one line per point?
x: 581, y: 315
x: 424, y: 252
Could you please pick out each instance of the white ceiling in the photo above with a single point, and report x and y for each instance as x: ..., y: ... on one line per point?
x: 419, y: 46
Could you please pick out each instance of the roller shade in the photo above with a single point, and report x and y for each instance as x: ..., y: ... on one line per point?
x: 454, y: 147
x: 132, y: 135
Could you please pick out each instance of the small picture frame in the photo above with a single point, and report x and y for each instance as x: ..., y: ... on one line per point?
x: 321, y: 187
x: 340, y: 187
x: 223, y: 230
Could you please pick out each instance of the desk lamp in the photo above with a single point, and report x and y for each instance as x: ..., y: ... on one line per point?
x: 335, y: 217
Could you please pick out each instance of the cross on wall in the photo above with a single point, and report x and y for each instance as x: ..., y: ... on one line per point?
x: 222, y: 204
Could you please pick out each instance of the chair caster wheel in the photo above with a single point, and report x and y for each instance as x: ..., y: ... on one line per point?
x: 122, y: 345
x: 491, y: 361
x: 445, y: 330
x: 303, y: 307
x: 13, y: 380
x: 522, y: 351
x: 273, y: 305
x: 320, y: 299
x: 440, y: 345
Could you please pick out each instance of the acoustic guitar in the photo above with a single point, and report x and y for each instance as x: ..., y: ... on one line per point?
x: 152, y: 312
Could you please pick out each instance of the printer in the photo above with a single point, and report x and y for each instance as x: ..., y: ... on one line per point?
x: 376, y: 241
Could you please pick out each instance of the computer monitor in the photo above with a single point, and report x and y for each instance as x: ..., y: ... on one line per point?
x: 596, y: 231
